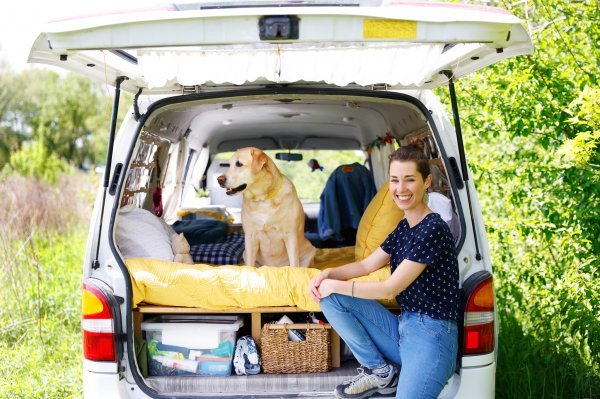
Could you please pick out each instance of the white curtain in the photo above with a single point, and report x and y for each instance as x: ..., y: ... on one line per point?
x: 340, y: 64
x: 174, y: 198
x: 380, y: 161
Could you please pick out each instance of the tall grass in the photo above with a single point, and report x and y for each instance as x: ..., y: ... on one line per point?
x: 42, y: 242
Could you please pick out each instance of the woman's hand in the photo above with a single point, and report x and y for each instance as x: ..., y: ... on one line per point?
x: 326, y: 287
x: 313, y: 286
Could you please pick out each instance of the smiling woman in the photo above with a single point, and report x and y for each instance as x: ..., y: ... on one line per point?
x: 410, y: 178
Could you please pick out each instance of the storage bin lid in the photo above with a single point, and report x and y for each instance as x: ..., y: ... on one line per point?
x: 192, y: 331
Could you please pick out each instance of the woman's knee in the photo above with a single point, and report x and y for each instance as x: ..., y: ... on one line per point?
x: 330, y: 302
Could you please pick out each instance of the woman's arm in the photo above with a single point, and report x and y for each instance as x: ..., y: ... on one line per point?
x: 402, y: 277
x: 350, y: 270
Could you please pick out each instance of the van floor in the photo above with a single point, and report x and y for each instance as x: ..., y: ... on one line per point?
x: 275, y: 385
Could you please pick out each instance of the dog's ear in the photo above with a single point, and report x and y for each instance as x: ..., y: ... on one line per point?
x: 259, y: 159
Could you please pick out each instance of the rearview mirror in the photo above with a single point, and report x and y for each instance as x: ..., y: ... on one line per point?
x: 288, y: 156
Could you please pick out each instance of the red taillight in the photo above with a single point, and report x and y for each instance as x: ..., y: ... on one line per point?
x: 98, y: 326
x: 478, y: 337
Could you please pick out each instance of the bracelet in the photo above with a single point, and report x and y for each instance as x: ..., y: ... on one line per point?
x: 353, y: 289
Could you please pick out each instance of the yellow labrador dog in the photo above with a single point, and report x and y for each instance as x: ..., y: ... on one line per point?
x: 272, y: 215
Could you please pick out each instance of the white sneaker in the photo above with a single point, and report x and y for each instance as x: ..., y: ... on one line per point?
x: 366, y: 384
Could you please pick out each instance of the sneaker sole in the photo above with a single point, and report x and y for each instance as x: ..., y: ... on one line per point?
x: 368, y: 394
x: 387, y: 391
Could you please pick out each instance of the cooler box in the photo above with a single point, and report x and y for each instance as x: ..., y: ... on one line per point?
x: 191, y: 344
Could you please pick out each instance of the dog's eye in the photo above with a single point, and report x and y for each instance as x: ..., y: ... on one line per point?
x: 238, y: 164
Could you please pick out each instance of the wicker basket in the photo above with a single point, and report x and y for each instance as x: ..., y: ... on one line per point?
x: 279, y: 355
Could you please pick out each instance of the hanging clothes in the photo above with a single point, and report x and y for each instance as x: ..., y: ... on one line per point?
x: 346, y: 195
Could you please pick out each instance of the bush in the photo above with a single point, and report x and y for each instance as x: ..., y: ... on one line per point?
x: 34, y: 160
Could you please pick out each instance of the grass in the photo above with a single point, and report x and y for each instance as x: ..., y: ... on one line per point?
x: 41, y: 253
x: 531, y: 368
x: 42, y: 243
x: 40, y: 338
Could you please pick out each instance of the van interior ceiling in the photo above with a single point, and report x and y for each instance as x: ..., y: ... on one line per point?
x: 222, y: 126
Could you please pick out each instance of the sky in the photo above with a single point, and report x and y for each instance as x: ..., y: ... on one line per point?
x: 21, y: 21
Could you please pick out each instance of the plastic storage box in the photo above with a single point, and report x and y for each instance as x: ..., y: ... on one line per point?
x: 191, y: 344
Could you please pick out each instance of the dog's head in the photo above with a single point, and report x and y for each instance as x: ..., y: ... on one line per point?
x: 244, y: 165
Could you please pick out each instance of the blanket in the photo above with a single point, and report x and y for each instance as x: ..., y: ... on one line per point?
x: 204, y: 286
x: 228, y: 252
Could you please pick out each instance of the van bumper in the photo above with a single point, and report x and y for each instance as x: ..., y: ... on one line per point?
x: 474, y: 382
x: 109, y: 385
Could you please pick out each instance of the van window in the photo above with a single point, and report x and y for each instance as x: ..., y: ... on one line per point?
x: 309, y: 180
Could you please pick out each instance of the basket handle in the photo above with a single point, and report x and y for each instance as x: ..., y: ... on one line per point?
x: 306, y: 326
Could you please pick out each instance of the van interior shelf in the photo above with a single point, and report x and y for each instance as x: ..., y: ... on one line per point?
x: 256, y: 322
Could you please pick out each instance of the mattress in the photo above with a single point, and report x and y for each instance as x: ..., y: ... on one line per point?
x: 164, y: 283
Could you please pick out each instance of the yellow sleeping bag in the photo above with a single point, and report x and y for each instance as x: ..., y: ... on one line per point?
x: 225, y: 287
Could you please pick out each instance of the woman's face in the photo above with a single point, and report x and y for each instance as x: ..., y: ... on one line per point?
x: 407, y: 186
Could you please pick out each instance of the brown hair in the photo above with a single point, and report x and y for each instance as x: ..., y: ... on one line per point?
x: 412, y: 153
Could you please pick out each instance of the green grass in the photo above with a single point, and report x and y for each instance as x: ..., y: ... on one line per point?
x: 40, y: 338
x: 531, y: 368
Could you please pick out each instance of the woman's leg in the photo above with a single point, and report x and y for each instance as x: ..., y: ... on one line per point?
x: 368, y: 328
x: 428, y: 349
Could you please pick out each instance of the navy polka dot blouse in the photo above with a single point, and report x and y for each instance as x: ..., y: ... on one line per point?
x: 435, y: 292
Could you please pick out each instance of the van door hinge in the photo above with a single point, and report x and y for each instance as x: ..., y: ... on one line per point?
x: 190, y: 89
x: 136, y: 107
x: 380, y: 87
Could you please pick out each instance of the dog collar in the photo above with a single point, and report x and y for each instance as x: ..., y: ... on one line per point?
x: 274, y: 192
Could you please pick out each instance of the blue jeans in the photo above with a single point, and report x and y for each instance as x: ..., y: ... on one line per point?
x: 423, y: 347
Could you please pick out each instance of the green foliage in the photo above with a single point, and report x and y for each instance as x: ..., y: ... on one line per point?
x: 583, y: 149
x: 11, y: 135
x: 534, y: 155
x: 67, y: 115
x: 65, y: 110
x: 36, y: 160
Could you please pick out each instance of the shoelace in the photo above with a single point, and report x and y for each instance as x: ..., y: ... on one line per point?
x: 361, y: 371
x: 360, y: 381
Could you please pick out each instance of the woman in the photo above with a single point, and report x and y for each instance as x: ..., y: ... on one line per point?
x: 424, y: 281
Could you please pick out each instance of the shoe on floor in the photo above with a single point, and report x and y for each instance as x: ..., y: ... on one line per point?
x: 366, y: 384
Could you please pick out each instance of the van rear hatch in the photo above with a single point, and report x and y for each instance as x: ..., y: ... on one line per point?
x: 397, y: 44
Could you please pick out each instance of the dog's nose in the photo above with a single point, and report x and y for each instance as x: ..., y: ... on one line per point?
x: 221, y: 180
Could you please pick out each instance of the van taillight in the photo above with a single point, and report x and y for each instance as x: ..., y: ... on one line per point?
x: 98, y: 326
x: 478, y: 337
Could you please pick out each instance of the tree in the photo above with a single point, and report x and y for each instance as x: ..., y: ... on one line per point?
x: 68, y: 115
x: 67, y: 122
x: 13, y: 131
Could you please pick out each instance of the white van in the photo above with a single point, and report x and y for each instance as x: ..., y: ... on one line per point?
x: 354, y: 77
